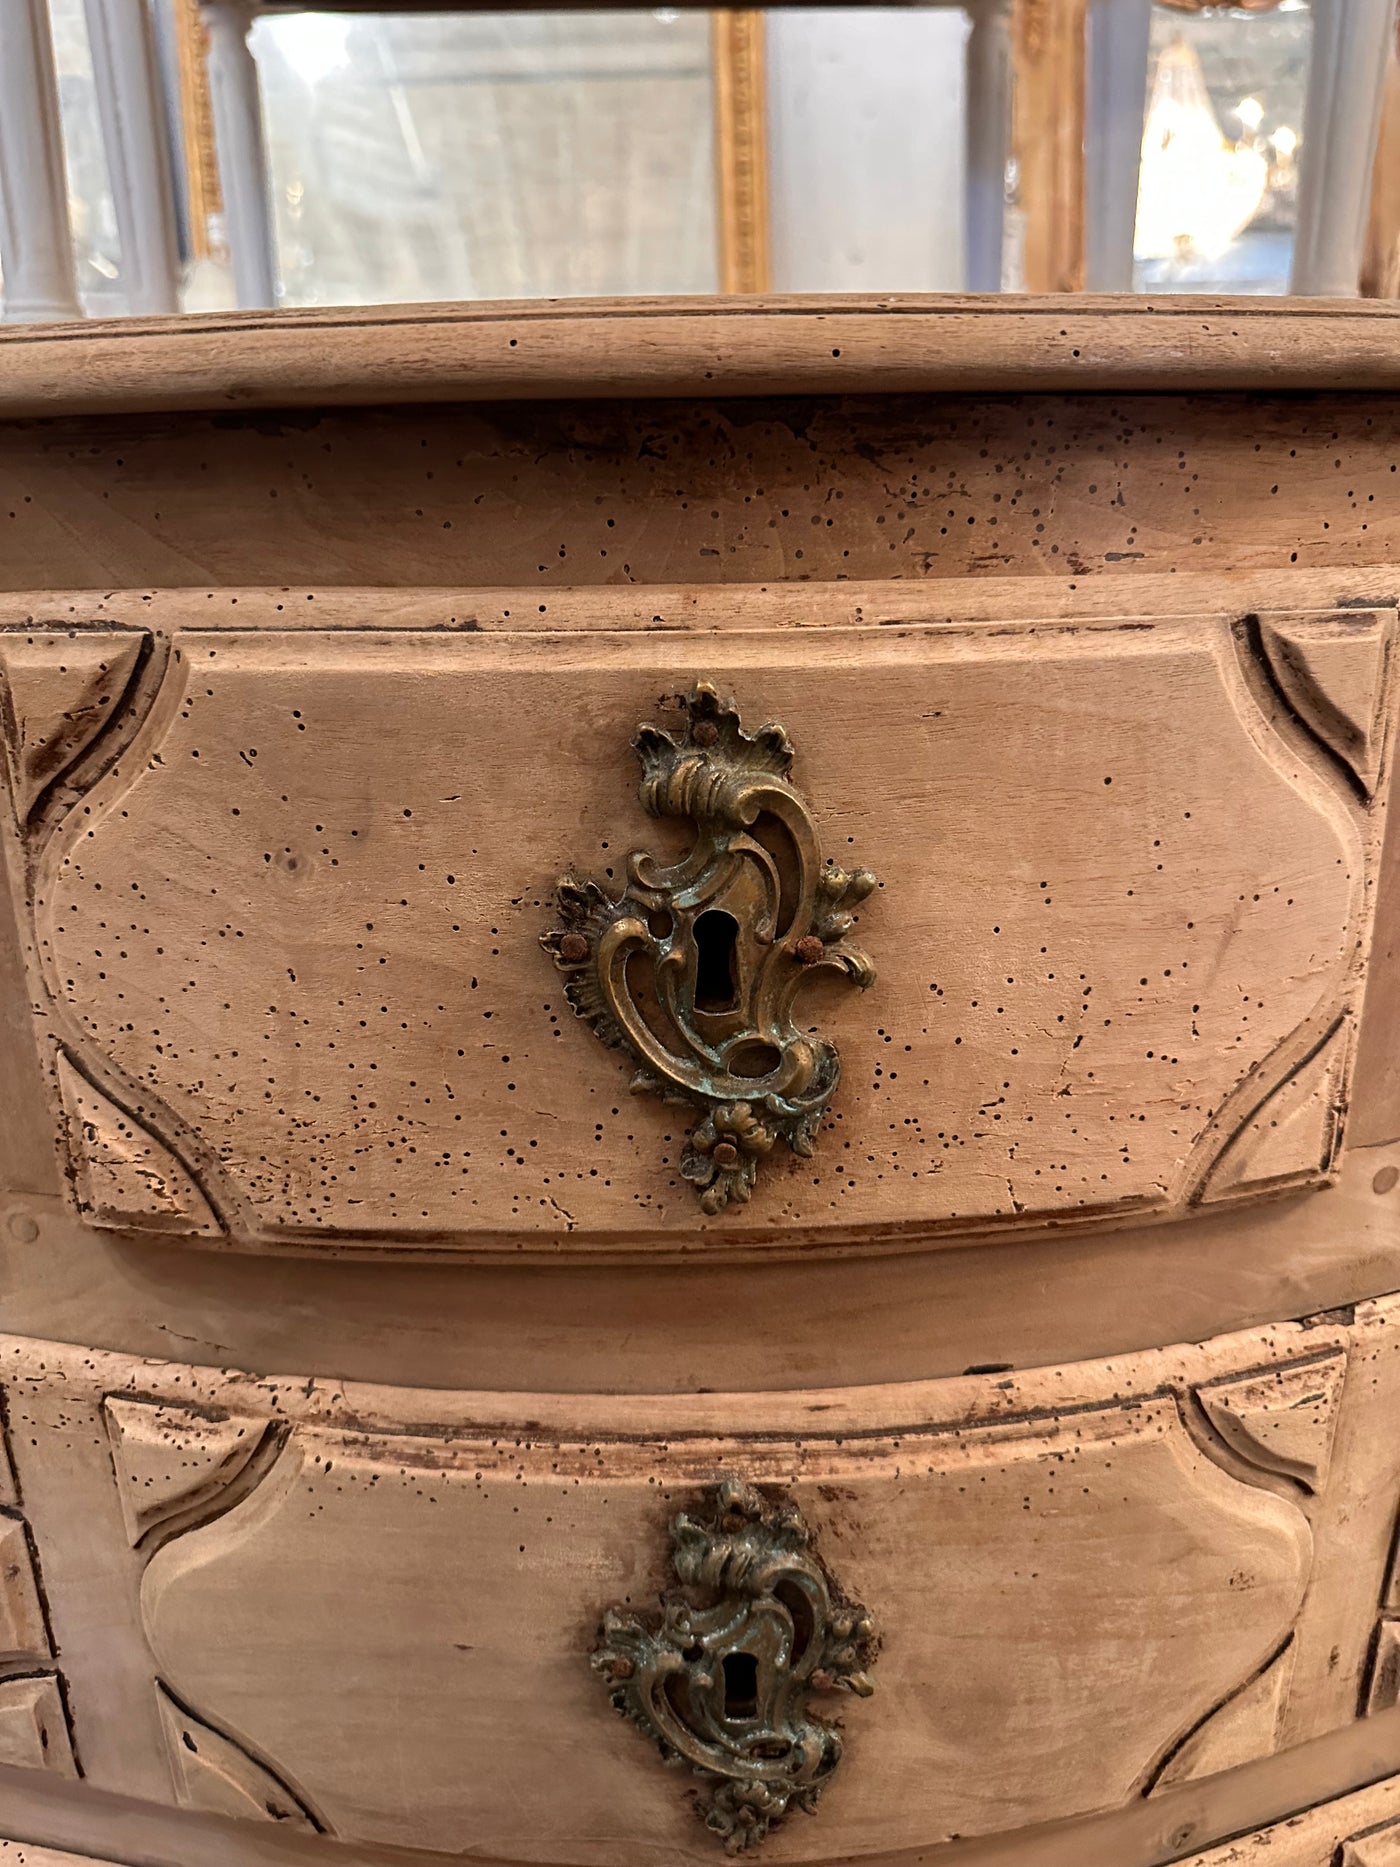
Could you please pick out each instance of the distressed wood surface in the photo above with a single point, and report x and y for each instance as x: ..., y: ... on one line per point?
x: 674, y: 346
x: 1331, y: 1812
x: 1092, y: 1057
x: 672, y: 1328
x: 1361, y: 1830
x: 776, y: 490
x: 264, y: 1605
x: 239, y: 1532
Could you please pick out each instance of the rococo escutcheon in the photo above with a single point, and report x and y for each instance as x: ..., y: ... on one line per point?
x: 694, y: 968
x: 723, y: 1681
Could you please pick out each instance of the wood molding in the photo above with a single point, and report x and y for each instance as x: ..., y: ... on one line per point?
x: 741, y: 150
x: 1048, y: 62
x: 202, y: 193
x: 1380, y: 260
x: 608, y: 348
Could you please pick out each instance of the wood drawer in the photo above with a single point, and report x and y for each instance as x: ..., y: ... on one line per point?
x: 370, y: 1611
x: 369, y: 1357
x: 284, y: 888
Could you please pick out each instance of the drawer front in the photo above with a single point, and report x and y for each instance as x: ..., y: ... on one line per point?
x: 373, y: 1612
x: 284, y: 891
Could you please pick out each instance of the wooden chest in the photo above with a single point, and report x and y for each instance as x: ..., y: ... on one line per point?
x: 699, y: 1017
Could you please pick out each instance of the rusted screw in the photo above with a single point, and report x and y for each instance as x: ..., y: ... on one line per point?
x: 810, y: 949
x: 704, y: 732
x: 573, y: 948
x: 726, y: 1154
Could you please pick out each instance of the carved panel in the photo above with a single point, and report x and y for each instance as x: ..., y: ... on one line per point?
x: 34, y: 1724
x: 322, y: 997
x: 346, y: 1591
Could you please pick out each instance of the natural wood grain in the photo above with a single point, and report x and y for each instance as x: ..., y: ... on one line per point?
x: 1105, y: 1564
x: 671, y: 347
x: 1080, y: 490
x: 1048, y: 58
x: 246, y: 730
x: 509, y: 1520
x: 858, y: 1318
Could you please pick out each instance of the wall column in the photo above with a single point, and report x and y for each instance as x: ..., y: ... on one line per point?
x: 987, y: 121
x: 1341, y: 122
x: 244, y: 179
x: 1120, y: 33
x: 36, y: 241
x: 135, y: 138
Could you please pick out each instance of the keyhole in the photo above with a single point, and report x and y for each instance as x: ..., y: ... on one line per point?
x: 740, y: 1685
x: 716, y: 977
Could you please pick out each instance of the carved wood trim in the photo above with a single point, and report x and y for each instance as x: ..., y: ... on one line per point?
x: 614, y: 348
x: 203, y: 194
x: 741, y: 150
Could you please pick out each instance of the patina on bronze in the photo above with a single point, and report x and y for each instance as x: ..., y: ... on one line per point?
x: 693, y: 968
x: 722, y: 1682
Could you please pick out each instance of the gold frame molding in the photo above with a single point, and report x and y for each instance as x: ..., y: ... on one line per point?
x: 201, y: 159
x: 741, y: 141
x: 741, y: 150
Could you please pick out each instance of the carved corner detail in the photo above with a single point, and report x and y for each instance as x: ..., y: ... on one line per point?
x: 221, y: 1777
x: 1333, y: 672
x: 59, y: 693
x: 177, y: 1467
x: 1281, y: 1420
x: 1292, y: 1135
x: 123, y: 1177
x: 1379, y: 1848
x: 35, y: 1733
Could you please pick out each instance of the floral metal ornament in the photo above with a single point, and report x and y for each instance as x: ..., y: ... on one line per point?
x: 723, y: 1684
x: 693, y: 968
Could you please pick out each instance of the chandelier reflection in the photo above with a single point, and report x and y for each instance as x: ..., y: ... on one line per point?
x: 1198, y: 191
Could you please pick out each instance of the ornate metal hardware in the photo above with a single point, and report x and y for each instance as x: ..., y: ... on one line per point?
x: 724, y: 1686
x: 693, y: 969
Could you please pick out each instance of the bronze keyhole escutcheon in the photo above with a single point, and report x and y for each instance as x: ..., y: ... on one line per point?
x: 727, y: 935
x: 723, y: 1679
